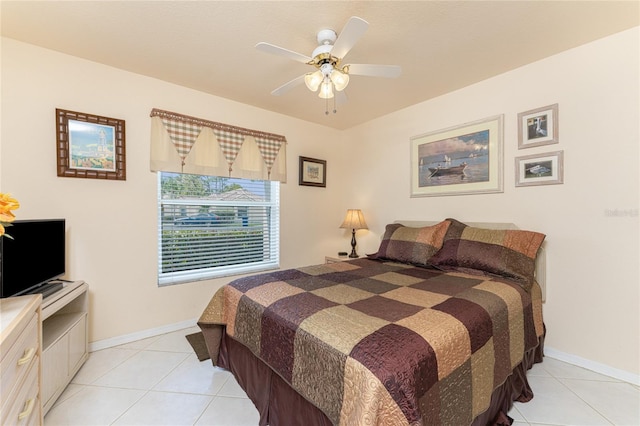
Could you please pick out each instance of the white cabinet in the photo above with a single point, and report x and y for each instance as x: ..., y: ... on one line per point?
x: 64, y: 339
x: 20, y: 344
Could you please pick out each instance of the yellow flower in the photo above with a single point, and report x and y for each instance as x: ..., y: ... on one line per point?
x: 7, y: 204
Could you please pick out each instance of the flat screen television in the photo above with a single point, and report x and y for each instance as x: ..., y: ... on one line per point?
x: 33, y: 257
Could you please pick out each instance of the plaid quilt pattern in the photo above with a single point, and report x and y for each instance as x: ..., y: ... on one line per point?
x: 371, y: 342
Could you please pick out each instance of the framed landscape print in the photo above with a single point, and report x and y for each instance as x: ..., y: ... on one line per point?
x: 90, y: 146
x: 538, y: 127
x: 313, y: 172
x: 460, y: 160
x: 540, y: 169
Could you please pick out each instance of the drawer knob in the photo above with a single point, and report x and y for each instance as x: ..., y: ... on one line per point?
x: 28, y: 354
x: 28, y: 408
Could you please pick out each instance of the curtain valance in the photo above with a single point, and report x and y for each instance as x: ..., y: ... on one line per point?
x: 184, y: 144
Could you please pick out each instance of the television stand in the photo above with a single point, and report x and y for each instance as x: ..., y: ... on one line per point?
x: 64, y: 338
x: 48, y: 288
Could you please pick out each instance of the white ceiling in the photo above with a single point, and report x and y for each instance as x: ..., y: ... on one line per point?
x: 210, y: 45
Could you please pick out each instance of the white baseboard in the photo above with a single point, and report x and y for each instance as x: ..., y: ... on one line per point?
x: 139, y: 335
x: 625, y: 376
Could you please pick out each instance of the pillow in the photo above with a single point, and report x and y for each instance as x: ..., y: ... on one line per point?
x: 509, y: 253
x: 411, y: 245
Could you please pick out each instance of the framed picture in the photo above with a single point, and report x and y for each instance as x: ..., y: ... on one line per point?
x: 90, y: 146
x: 540, y: 169
x: 313, y: 172
x: 538, y: 127
x: 460, y: 160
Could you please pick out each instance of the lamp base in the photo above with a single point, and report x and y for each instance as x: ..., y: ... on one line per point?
x: 353, y: 245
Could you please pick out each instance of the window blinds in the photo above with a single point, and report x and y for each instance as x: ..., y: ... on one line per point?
x: 212, y: 227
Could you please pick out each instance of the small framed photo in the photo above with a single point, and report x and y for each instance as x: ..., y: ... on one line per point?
x: 313, y: 172
x: 540, y: 169
x: 90, y: 146
x: 538, y: 127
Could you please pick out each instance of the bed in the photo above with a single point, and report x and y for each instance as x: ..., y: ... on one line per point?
x: 439, y: 326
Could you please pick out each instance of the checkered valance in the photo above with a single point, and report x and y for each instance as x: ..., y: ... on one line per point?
x: 184, y: 144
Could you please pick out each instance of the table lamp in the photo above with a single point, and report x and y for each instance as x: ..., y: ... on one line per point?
x: 354, y: 220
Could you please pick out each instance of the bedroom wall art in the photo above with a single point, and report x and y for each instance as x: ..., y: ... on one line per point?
x: 90, y: 146
x: 461, y: 160
x: 538, y: 127
x: 540, y: 169
x: 313, y: 172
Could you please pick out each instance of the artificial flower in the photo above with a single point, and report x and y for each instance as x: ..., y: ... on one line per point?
x: 7, y: 204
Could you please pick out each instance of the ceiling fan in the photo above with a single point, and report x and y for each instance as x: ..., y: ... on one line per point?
x: 330, y: 75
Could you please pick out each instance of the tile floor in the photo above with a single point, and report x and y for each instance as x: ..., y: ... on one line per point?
x: 159, y: 381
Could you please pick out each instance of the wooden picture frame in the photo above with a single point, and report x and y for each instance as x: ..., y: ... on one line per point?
x: 313, y: 172
x: 538, y: 127
x: 540, y: 169
x: 90, y: 146
x: 461, y: 160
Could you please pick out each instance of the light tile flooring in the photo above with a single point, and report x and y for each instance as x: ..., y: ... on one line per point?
x: 159, y: 381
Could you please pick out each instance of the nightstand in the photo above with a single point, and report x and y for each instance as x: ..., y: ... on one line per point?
x: 335, y: 259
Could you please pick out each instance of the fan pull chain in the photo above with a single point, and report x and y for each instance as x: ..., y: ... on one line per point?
x: 326, y: 106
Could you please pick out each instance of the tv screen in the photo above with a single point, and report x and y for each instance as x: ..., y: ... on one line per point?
x: 34, y: 256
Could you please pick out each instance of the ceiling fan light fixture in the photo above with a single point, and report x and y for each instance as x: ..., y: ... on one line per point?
x: 313, y: 80
x: 340, y: 79
x: 326, y: 90
x: 330, y: 77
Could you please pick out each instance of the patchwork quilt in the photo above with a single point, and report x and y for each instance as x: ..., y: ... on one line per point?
x: 374, y: 342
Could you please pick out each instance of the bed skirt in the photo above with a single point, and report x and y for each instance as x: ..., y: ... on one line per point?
x: 279, y: 405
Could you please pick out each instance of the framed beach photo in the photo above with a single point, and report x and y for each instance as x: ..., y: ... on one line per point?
x: 540, y: 169
x: 313, y: 172
x: 538, y: 127
x: 90, y: 146
x: 460, y: 160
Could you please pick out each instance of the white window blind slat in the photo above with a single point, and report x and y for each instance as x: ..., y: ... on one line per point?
x: 215, y: 226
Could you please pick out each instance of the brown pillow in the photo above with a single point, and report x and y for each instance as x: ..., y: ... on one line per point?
x: 411, y: 245
x: 508, y: 253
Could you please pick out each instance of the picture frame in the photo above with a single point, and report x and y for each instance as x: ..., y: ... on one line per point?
x: 538, y: 127
x: 540, y: 169
x: 90, y: 146
x: 313, y: 172
x: 460, y: 160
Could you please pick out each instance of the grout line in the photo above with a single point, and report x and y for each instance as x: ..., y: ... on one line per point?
x: 134, y: 353
x: 129, y: 408
x: 582, y: 399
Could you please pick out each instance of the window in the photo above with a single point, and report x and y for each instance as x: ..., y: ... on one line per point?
x: 214, y: 226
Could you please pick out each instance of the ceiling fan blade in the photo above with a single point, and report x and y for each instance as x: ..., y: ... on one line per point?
x: 370, y: 70
x: 281, y: 51
x: 341, y: 97
x: 288, y: 86
x: 350, y: 34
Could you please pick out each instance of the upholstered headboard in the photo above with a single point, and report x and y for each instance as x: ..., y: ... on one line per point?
x: 541, y: 259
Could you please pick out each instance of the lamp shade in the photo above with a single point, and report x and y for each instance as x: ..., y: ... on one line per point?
x: 313, y: 80
x: 326, y: 89
x: 354, y: 220
x: 339, y: 79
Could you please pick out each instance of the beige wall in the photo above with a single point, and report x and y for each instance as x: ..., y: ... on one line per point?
x: 112, y: 225
x: 593, y: 275
x: 593, y: 296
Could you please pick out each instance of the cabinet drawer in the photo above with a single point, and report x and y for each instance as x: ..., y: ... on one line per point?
x: 25, y: 409
x: 16, y: 362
